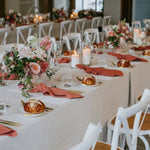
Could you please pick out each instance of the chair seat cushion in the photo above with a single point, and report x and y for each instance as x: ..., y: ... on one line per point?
x: 146, y: 123
x: 103, y: 146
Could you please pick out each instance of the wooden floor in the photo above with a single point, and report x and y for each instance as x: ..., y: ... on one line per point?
x: 141, y: 145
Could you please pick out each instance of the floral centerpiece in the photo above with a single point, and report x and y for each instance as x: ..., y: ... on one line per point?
x: 59, y: 14
x: 12, y: 16
x: 28, y: 64
x: 87, y: 13
x: 117, y: 31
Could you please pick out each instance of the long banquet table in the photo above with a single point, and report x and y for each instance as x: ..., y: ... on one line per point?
x: 66, y: 124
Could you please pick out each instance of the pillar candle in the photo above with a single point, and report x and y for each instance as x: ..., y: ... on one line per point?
x: 75, y: 59
x: 86, y: 56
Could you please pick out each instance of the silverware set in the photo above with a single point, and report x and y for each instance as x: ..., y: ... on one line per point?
x: 11, y: 123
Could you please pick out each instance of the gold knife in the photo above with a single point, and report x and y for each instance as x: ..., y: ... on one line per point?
x: 10, y: 123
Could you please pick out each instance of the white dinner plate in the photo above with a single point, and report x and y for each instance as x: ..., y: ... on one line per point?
x: 29, y: 115
x: 95, y: 85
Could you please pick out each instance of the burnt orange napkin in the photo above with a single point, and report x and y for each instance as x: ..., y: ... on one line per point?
x: 100, y: 52
x: 127, y: 57
x: 7, y: 131
x: 55, y: 92
x: 101, y: 71
x: 63, y: 60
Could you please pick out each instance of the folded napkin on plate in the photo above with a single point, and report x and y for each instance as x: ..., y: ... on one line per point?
x: 127, y: 57
x: 63, y: 60
x: 141, y: 48
x: 56, y: 92
x: 7, y: 131
x: 101, y: 71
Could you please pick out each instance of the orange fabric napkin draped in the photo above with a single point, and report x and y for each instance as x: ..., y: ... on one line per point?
x: 127, y: 57
x: 63, y: 60
x: 55, y: 92
x: 7, y: 131
x: 101, y: 71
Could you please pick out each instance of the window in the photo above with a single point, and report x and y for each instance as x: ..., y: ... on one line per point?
x: 90, y: 4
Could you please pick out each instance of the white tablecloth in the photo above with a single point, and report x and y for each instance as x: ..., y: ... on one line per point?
x: 59, y: 129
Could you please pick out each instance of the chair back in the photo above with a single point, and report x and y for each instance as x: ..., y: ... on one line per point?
x: 43, y: 27
x: 90, y: 138
x: 92, y: 35
x: 65, y: 27
x: 124, y: 114
x: 80, y: 25
x: 106, y: 21
x: 96, y: 22
x: 21, y: 29
x: 75, y: 38
x: 136, y: 24
x: 4, y: 32
x: 146, y: 22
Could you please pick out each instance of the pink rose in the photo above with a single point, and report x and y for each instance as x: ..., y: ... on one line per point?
x: 36, y: 68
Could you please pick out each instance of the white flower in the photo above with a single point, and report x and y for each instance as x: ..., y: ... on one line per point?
x: 11, y: 11
x: 108, y: 43
x: 12, y: 66
x: 11, y: 58
x: 19, y: 14
x: 24, y: 52
x: 31, y: 38
x: 111, y: 46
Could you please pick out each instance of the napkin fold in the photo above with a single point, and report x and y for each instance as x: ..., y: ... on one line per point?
x: 141, y: 48
x: 7, y: 131
x: 100, y: 52
x: 55, y: 92
x: 101, y: 71
x: 126, y: 57
x: 63, y: 60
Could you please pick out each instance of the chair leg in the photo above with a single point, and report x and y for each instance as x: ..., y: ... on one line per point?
x: 147, y: 146
x: 109, y: 135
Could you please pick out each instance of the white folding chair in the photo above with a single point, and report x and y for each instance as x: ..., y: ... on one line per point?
x: 133, y: 127
x: 106, y: 21
x: 146, y: 22
x: 136, y: 24
x: 90, y: 138
x: 80, y: 25
x: 96, y: 22
x: 75, y: 38
x: 92, y: 35
x: 4, y: 32
x: 21, y: 29
x: 65, y: 27
x: 45, y: 26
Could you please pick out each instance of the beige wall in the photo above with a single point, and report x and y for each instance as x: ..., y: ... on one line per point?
x: 12, y: 4
x: 113, y: 8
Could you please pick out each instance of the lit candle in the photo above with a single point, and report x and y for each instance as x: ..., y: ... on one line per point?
x: 75, y: 59
x: 71, y: 16
x: 142, y: 35
x: 76, y: 14
x: 40, y: 18
x: 86, y: 56
x: 136, y: 35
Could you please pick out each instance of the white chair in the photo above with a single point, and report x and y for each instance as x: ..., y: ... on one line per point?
x: 65, y: 27
x: 45, y: 26
x: 146, y: 22
x: 4, y: 32
x: 80, y: 25
x: 136, y: 24
x: 90, y: 138
x: 106, y: 21
x: 92, y: 35
x: 132, y: 128
x: 75, y: 38
x: 96, y: 22
x: 21, y: 29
